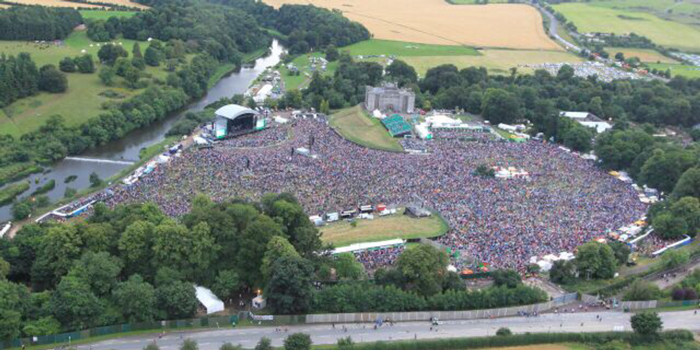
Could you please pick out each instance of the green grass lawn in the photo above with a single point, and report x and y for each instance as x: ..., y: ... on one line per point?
x: 678, y: 69
x: 588, y: 18
x: 303, y: 64
x: 104, y: 14
x: 80, y: 102
x: 355, y: 125
x: 401, y: 48
x: 383, y: 228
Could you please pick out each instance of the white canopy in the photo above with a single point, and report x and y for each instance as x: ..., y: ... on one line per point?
x: 210, y: 301
x: 364, y: 246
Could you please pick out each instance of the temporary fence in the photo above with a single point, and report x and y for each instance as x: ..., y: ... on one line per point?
x: 218, y: 321
x: 442, y: 315
x: 638, y: 305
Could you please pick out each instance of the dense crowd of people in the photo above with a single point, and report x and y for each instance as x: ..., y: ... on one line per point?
x: 381, y: 257
x: 567, y: 202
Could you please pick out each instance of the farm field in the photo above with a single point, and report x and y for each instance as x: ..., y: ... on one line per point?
x: 588, y: 18
x: 496, y: 61
x: 516, y: 26
x: 678, y: 69
x: 645, y: 55
x: 82, y: 100
x: 63, y: 3
x: 474, y: 2
x: 382, y: 228
x: 354, y: 124
x: 684, y: 11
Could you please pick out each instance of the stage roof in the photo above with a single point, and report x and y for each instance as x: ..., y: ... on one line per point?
x: 233, y: 111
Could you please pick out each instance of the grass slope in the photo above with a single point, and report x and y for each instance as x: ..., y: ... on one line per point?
x: 678, y: 69
x: 355, y: 125
x: 588, y: 18
x: 80, y: 102
x: 383, y: 228
x: 303, y: 64
x: 402, y: 48
x: 103, y: 14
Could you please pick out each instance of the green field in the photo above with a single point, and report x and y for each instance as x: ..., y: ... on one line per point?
x: 383, y: 228
x: 684, y: 11
x: 589, y: 18
x: 104, y: 14
x: 678, y: 69
x: 80, y: 102
x: 304, y: 65
x: 403, y: 49
x: 355, y: 125
x: 645, y: 55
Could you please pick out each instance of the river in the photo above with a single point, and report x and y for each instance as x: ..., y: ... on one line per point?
x: 109, y: 159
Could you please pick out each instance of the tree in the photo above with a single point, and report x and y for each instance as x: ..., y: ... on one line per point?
x: 67, y: 65
x: 95, y: 180
x: 347, y: 267
x: 226, y: 284
x: 132, y: 77
x: 177, y: 300
x: 264, y: 344
x: 85, y: 64
x: 255, y: 238
x: 189, y: 250
x: 298, y: 341
x: 290, y: 289
x: 277, y: 247
x: 669, y: 227
x: 621, y: 250
x: 504, y: 332
x: 620, y: 56
x: 641, y: 290
x: 4, y: 268
x: 153, y: 56
x: 508, y: 278
x: 136, y: 299
x: 675, y: 258
x: 687, y: 209
x: 229, y: 346
x: 500, y: 106
x: 189, y: 344
x: 151, y: 346
x: 578, y: 139
x: 646, y: 323
x: 332, y: 53
x: 74, y: 304
x: 401, y: 72
x: 346, y: 343
x: 21, y: 210
x: 596, y: 260
x: 563, y: 272
x: 10, y: 307
x: 423, y: 268
x: 109, y: 53
x: 51, y: 80
x: 688, y: 184
x: 107, y: 76
x: 99, y: 270
x: 136, y: 51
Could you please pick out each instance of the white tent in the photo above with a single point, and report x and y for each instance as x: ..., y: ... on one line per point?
x: 210, y: 301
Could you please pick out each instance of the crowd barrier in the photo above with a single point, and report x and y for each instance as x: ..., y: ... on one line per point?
x: 442, y: 315
x: 638, y: 305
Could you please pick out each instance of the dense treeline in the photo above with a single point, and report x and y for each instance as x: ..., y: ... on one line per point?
x: 38, y: 23
x: 222, y: 32
x: 305, y: 27
x: 134, y: 264
x: 20, y: 78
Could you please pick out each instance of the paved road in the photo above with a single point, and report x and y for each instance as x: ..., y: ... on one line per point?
x: 554, y: 30
x: 325, y: 334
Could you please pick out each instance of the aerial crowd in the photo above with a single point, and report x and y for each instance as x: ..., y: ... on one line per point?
x: 565, y: 202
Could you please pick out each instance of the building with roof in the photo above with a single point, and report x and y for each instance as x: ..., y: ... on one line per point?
x: 588, y: 119
x: 389, y: 97
x: 233, y: 120
x: 209, y: 300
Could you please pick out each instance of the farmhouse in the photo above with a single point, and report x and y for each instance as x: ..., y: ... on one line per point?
x: 588, y: 119
x: 389, y: 97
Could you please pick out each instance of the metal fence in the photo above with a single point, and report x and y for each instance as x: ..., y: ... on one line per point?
x: 219, y: 321
x: 638, y: 305
x: 442, y: 315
